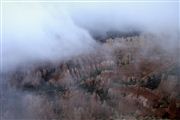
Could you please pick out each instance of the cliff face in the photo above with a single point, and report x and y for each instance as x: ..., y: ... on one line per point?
x: 126, y: 77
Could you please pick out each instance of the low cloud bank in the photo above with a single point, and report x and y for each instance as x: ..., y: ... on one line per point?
x: 49, y: 32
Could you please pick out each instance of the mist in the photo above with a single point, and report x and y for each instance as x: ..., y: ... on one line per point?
x: 32, y: 33
x: 48, y: 31
x: 40, y: 33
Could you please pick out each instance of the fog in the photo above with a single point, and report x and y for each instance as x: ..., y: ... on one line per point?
x: 48, y: 32
x: 56, y: 31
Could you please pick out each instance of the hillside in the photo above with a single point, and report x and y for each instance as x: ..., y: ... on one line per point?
x: 126, y: 76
